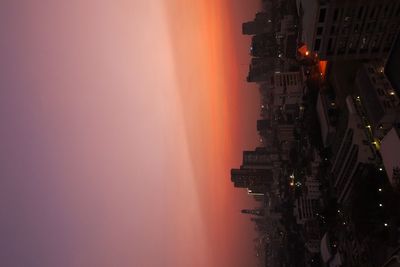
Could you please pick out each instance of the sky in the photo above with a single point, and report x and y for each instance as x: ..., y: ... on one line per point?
x: 119, y: 123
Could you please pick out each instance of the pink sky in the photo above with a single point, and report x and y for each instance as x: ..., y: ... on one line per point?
x: 120, y: 123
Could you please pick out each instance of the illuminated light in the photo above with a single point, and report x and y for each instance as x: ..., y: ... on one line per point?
x: 380, y: 169
x: 291, y: 183
x: 369, y: 126
x: 385, y: 224
x: 380, y: 205
x: 307, y: 53
x: 392, y: 93
x: 261, y: 140
x: 380, y: 189
x: 338, y: 211
x: 322, y: 67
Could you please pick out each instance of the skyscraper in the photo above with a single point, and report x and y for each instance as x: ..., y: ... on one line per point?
x: 245, y: 178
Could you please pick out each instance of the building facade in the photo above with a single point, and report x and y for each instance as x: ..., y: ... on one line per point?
x: 349, y: 29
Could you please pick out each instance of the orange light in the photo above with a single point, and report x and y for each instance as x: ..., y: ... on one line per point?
x: 307, y: 53
x: 322, y: 67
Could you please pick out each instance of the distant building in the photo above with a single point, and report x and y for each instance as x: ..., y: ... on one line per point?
x: 288, y: 88
x: 312, y: 236
x: 311, y: 186
x: 263, y: 125
x: 349, y: 29
x: 261, y: 69
x: 245, y: 178
x: 258, y: 212
x: 260, y: 158
x: 285, y: 132
x: 305, y: 209
x: 261, y: 24
x: 264, y: 45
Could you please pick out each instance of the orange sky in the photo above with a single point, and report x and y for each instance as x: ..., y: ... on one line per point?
x: 216, y: 108
x: 121, y: 120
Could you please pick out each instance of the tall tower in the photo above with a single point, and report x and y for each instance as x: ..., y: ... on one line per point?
x: 258, y: 158
x: 245, y: 178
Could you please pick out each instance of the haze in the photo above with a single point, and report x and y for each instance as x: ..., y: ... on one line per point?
x: 119, y: 123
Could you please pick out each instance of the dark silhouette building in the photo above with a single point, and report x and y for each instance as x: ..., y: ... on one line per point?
x: 261, y: 24
x: 245, y: 178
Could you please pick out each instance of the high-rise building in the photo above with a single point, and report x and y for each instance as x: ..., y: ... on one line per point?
x: 263, y: 125
x: 246, y: 178
x: 261, y: 24
x: 355, y: 154
x: 327, y: 116
x: 261, y: 69
x: 288, y: 88
x: 349, y: 29
x: 258, y: 157
x: 264, y: 45
x: 378, y: 98
x: 305, y: 209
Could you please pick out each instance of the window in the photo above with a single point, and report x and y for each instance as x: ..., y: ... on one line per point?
x: 335, y: 14
x: 317, y: 44
x: 385, y: 10
x: 330, y: 45
x: 360, y: 12
x: 322, y: 13
x: 371, y: 15
x: 319, y: 30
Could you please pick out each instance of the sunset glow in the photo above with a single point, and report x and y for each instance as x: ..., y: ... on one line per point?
x: 121, y: 121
